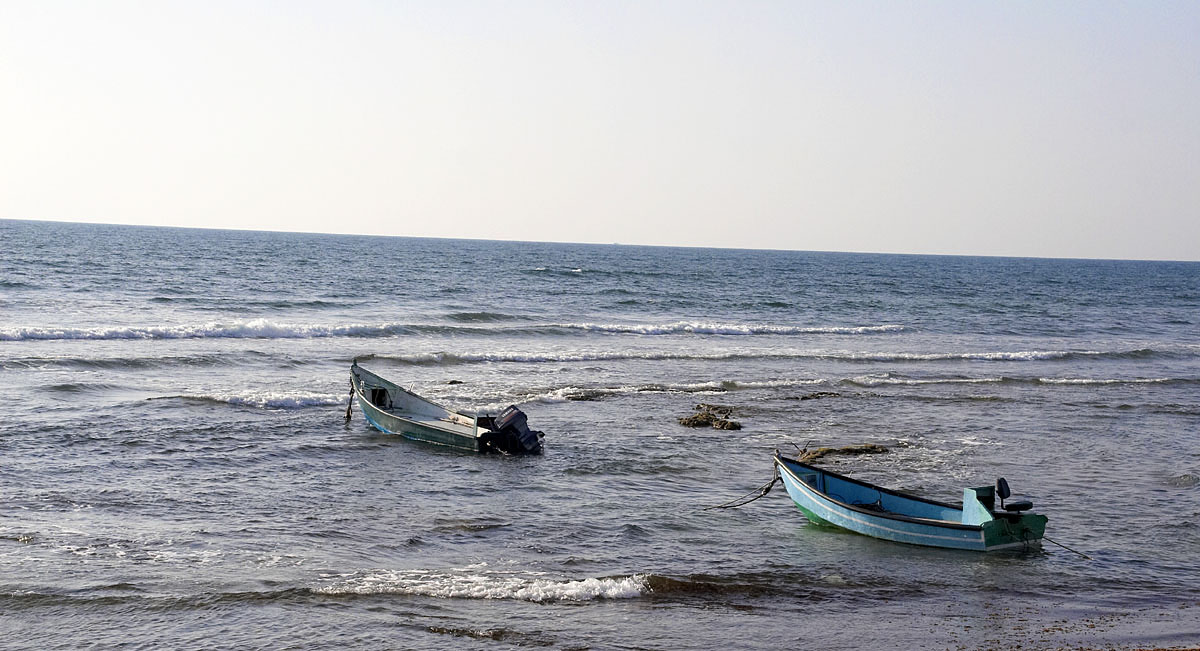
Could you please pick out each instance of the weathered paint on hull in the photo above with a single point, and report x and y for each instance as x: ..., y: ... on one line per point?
x: 412, y: 430
x: 991, y: 536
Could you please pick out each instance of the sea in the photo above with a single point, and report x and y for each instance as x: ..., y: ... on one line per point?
x: 177, y: 470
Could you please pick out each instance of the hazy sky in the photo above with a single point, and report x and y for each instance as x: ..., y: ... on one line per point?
x: 1061, y: 129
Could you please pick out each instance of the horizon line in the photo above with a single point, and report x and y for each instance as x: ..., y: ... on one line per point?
x: 584, y: 243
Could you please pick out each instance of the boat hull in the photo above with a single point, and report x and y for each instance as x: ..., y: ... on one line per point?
x: 1001, y: 532
x: 414, y: 430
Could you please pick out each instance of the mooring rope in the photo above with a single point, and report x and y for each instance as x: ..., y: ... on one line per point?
x: 1046, y: 538
x: 350, y: 402
x: 742, y: 501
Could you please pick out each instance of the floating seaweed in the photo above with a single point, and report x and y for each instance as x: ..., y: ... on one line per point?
x: 864, y: 448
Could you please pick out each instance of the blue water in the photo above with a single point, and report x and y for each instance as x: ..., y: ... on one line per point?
x: 177, y: 471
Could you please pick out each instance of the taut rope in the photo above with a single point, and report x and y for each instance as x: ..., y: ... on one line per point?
x: 742, y: 501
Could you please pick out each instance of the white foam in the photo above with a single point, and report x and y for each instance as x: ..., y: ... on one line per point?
x: 469, y: 358
x: 272, y: 400
x: 1091, y: 381
x: 472, y: 583
x: 686, y: 327
x: 880, y: 380
x: 998, y: 356
x: 252, y: 329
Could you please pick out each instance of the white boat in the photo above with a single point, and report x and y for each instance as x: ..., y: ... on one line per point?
x: 394, y: 410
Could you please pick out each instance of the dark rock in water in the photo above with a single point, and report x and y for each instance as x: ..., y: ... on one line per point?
x: 865, y: 448
x: 714, y: 416
x: 455, y: 382
x: 820, y: 394
x: 702, y: 419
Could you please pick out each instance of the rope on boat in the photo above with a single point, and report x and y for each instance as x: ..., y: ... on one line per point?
x: 742, y: 501
x: 1046, y: 538
x: 350, y: 402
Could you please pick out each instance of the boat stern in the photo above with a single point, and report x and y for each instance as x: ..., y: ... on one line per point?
x: 1002, y: 529
x: 509, y: 433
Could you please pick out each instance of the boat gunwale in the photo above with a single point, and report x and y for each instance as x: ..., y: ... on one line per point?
x: 929, y: 522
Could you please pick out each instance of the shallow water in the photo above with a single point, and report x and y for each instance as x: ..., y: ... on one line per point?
x: 177, y: 470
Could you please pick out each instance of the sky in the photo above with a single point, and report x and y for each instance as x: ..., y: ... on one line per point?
x: 1048, y: 129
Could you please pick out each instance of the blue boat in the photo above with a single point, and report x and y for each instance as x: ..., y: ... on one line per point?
x: 978, y: 524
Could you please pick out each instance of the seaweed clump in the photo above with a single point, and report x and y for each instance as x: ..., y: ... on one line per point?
x: 714, y: 416
x: 865, y: 448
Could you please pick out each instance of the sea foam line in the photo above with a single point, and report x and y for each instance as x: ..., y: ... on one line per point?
x: 267, y: 399
x: 586, y: 394
x: 266, y: 329
x: 443, y: 358
x: 484, y: 584
x: 687, y: 327
x: 1102, y: 381
x: 253, y: 329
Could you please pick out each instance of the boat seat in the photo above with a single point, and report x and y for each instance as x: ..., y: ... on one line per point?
x: 1016, y: 506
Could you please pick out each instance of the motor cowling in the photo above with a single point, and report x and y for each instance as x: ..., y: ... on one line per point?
x: 511, y: 433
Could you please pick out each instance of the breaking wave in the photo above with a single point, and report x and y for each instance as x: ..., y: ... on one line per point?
x: 686, y: 327
x: 264, y: 400
x: 479, y: 583
x: 1100, y: 381
x: 450, y: 359
x: 884, y: 379
x: 266, y: 329
x: 443, y: 358
x: 577, y: 394
x: 253, y: 329
x: 483, y: 317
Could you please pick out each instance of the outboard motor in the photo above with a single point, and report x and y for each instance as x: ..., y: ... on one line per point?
x: 511, y: 434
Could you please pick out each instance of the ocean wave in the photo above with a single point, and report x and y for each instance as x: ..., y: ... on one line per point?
x: 25, y: 363
x: 445, y: 358
x: 245, y: 303
x: 883, y: 379
x: 81, y: 387
x: 1102, y: 381
x: 478, y: 583
x: 266, y: 329
x: 442, y: 358
x: 990, y: 356
x: 483, y: 317
x: 687, y: 327
x: 264, y: 400
x: 252, y: 329
x: 588, y: 394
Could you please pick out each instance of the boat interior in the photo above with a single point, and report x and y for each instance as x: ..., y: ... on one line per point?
x: 869, y: 497
x: 402, y: 404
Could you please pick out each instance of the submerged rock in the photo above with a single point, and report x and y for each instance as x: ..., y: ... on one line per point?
x: 702, y: 419
x: 819, y: 394
x: 715, y: 416
x: 720, y: 410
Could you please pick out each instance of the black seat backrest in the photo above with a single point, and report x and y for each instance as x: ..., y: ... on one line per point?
x: 1002, y: 489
